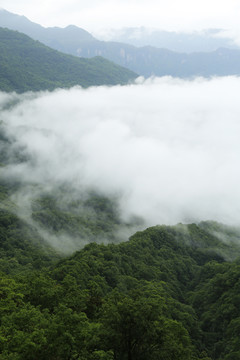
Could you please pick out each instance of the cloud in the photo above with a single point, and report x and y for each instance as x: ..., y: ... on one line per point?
x: 168, y: 148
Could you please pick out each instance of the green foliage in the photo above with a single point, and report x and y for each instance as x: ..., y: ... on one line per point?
x: 216, y: 300
x: 140, y: 328
x: 91, y: 218
x: 21, y: 247
x: 170, y: 292
x: 27, y: 65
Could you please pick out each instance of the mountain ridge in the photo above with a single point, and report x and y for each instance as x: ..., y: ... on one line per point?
x: 26, y: 64
x: 184, y: 42
x: 146, y: 61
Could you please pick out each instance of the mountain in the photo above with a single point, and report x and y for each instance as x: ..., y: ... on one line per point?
x: 26, y: 64
x: 197, y: 41
x: 146, y: 61
x: 58, y: 38
x: 168, y: 292
x: 149, y: 61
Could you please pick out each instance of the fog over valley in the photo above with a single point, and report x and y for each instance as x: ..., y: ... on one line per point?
x: 166, y: 149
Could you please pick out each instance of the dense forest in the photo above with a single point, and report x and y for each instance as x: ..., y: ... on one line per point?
x: 167, y: 293
x: 28, y: 65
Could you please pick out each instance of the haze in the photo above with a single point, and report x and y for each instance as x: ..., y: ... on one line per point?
x: 185, y: 15
x: 168, y: 148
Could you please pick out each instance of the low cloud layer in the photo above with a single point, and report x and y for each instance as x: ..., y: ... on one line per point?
x: 168, y: 148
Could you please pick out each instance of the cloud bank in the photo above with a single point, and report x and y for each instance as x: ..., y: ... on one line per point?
x: 168, y: 148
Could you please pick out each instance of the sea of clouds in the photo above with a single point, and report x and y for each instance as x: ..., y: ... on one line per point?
x: 168, y: 148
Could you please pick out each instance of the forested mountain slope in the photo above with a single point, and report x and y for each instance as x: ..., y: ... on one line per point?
x: 164, y: 294
x: 169, y: 292
x: 26, y: 65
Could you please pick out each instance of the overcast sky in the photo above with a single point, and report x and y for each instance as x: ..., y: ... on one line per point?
x: 93, y: 15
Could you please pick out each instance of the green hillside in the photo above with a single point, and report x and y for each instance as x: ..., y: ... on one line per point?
x: 164, y: 294
x: 26, y: 65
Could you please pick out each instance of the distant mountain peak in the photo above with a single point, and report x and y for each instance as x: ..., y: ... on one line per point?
x: 72, y: 27
x: 50, y: 36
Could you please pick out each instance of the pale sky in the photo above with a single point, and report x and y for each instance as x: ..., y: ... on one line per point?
x: 93, y: 15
